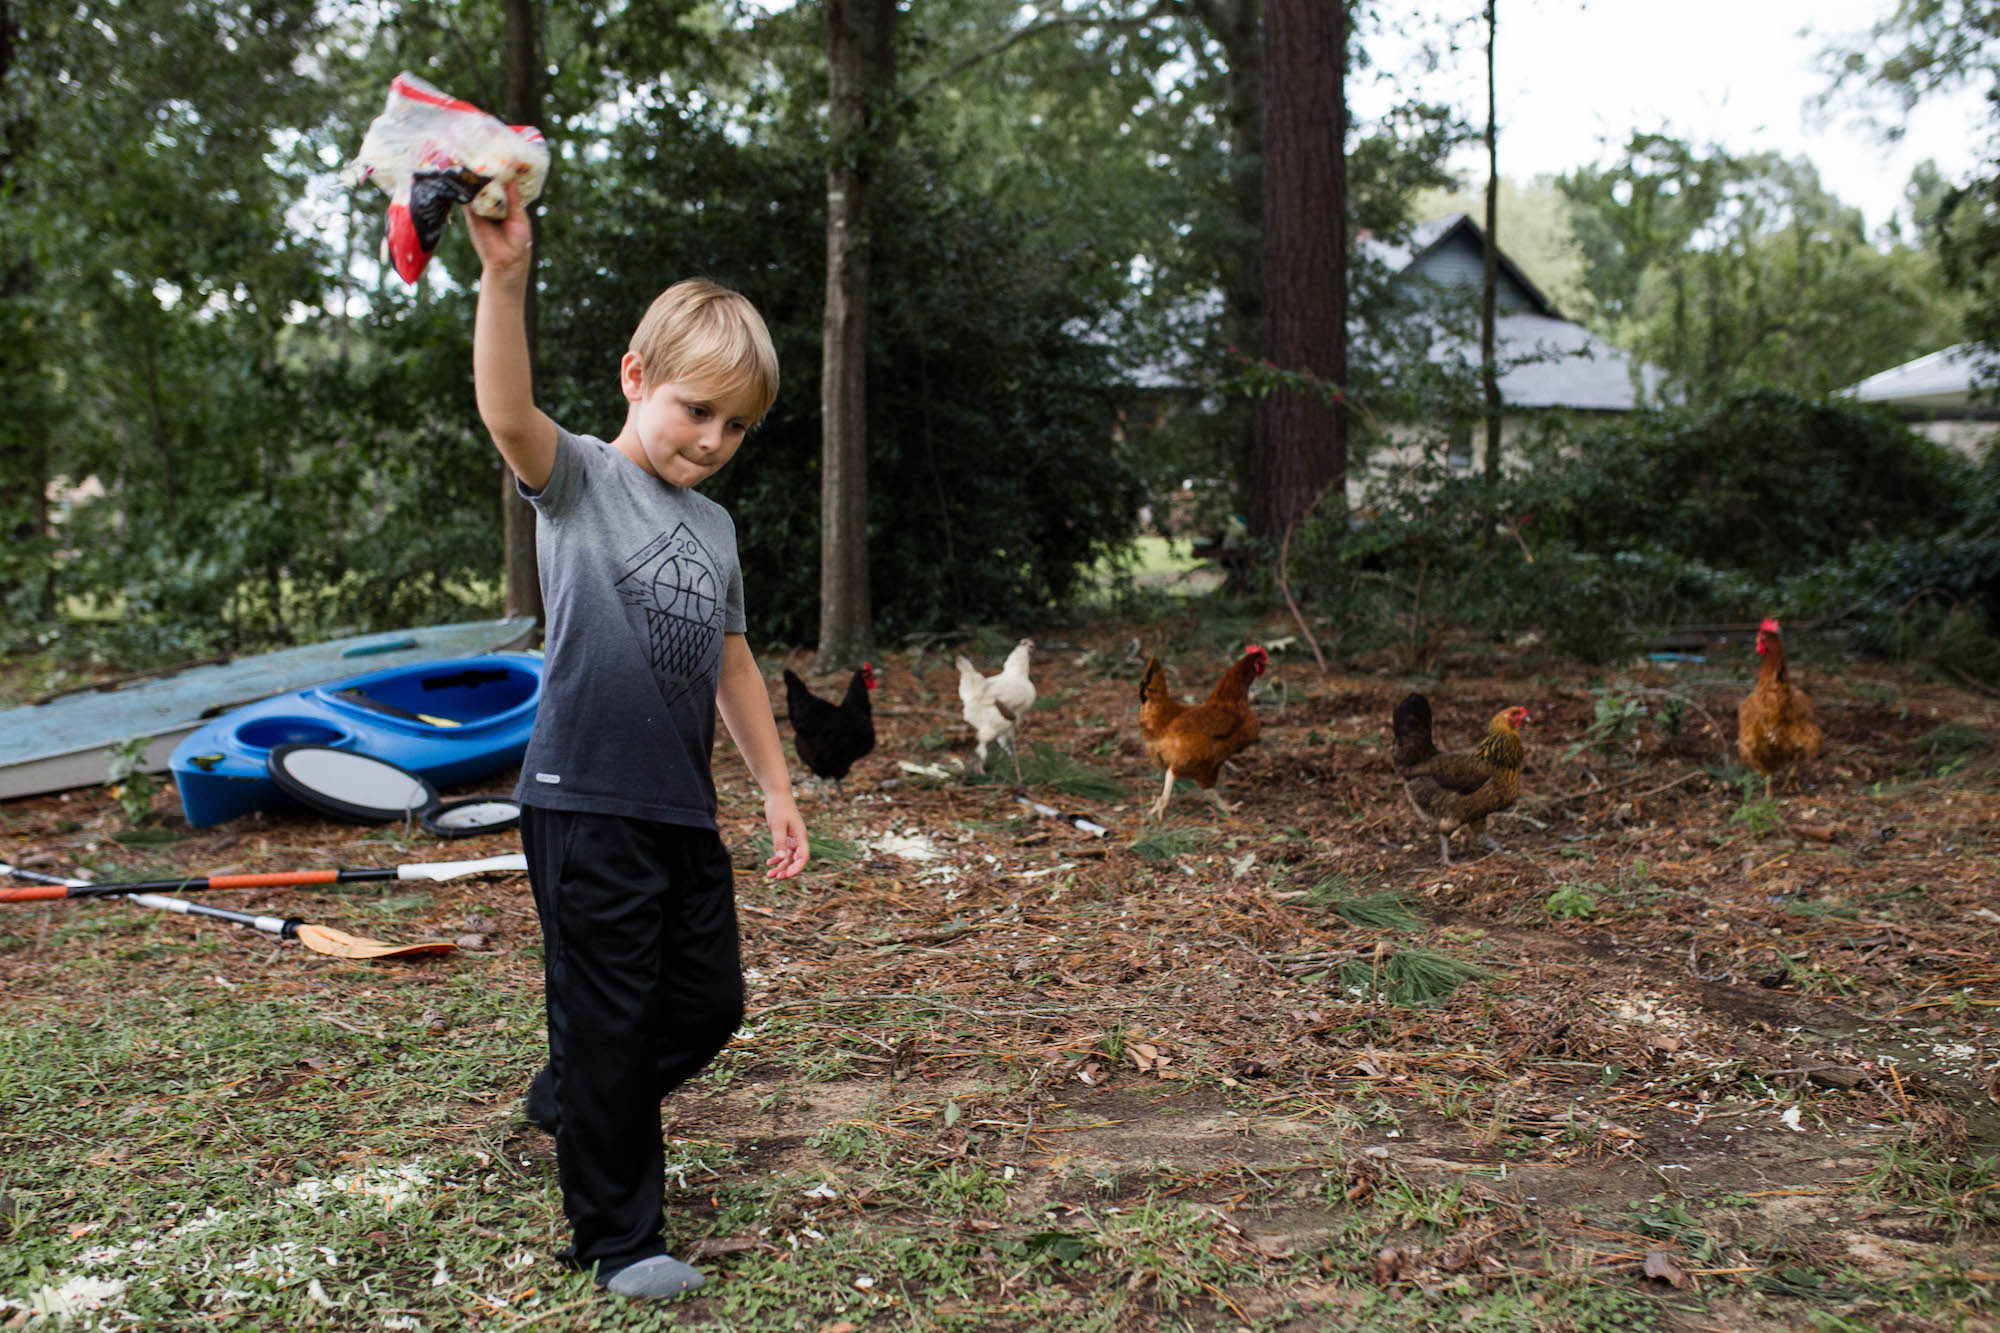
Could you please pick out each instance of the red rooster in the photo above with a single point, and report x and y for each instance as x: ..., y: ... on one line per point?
x: 1774, y: 723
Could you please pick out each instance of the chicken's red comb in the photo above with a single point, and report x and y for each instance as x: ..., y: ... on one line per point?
x: 1252, y: 648
x: 1769, y: 626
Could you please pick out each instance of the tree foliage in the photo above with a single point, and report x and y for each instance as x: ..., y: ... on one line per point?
x: 993, y: 477
x: 1730, y: 271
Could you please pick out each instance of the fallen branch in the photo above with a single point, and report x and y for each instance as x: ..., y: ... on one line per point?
x: 1285, y: 587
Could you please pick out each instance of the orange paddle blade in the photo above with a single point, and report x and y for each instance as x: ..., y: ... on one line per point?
x: 325, y: 939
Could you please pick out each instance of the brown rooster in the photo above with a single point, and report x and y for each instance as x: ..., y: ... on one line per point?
x: 1193, y: 742
x: 1774, y: 723
x: 1458, y: 790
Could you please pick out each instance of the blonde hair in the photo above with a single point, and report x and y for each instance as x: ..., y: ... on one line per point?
x: 701, y: 333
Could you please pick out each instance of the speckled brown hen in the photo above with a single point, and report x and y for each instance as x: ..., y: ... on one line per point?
x: 1461, y: 788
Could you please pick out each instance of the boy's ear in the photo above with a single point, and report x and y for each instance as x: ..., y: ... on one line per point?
x: 632, y: 377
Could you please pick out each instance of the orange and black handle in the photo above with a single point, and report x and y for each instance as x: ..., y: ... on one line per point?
x: 52, y: 887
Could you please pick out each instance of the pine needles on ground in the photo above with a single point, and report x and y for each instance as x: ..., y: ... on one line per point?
x: 824, y: 847
x: 1410, y: 978
x: 1165, y: 844
x: 1387, y: 910
x: 1046, y: 768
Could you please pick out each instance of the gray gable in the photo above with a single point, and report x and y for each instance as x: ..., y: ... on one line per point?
x: 1451, y: 252
x: 1546, y: 360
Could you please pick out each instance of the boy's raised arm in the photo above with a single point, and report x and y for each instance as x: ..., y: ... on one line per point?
x: 501, y: 380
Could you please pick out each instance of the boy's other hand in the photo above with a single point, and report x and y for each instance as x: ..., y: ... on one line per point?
x: 504, y: 244
x: 788, y: 837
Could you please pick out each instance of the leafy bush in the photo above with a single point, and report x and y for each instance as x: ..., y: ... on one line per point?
x: 1761, y: 482
x: 1730, y: 512
x: 1932, y: 598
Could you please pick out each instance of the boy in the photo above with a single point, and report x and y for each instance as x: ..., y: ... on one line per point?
x: 645, y: 645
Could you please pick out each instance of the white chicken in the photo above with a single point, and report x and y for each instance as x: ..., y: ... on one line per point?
x: 993, y: 705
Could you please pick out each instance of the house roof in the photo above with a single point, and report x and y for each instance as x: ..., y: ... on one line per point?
x: 1547, y: 361
x: 1953, y: 381
x: 1563, y: 364
x: 1431, y: 242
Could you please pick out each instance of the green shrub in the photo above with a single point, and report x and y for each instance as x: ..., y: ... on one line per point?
x: 1762, y: 482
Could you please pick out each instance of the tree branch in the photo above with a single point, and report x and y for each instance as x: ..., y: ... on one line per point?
x: 952, y: 71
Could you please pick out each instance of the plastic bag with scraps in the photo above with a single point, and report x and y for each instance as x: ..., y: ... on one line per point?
x: 429, y: 151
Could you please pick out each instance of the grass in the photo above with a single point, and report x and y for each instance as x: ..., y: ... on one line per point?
x: 1944, y: 750
x: 273, y: 1153
x: 1034, y: 1096
x: 1757, y: 815
x: 1951, y: 1185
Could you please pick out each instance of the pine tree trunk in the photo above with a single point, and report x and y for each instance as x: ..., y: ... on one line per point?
x: 1237, y: 26
x: 860, y: 57
x: 1489, y: 370
x: 1301, y: 449
x: 523, y: 106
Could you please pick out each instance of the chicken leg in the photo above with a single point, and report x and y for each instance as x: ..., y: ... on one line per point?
x: 1159, y: 807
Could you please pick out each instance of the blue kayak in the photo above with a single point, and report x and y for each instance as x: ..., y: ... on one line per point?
x: 451, y: 721
x: 66, y: 740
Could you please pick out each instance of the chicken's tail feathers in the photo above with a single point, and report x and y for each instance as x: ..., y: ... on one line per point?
x: 796, y: 696
x: 1152, y: 681
x: 1413, y: 742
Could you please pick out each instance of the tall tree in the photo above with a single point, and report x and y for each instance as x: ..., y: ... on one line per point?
x: 523, y: 103
x: 1301, y: 450
x: 1489, y: 287
x: 1237, y: 27
x: 25, y: 433
x: 861, y: 75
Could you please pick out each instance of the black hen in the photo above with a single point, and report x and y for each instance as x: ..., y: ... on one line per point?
x: 830, y: 738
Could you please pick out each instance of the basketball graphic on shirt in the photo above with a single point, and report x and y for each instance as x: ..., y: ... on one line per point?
x: 674, y: 584
x: 685, y: 589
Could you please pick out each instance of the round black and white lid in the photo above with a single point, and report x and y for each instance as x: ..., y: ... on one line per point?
x: 351, y: 785
x: 470, y: 815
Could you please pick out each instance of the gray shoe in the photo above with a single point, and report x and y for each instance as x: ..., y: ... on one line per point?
x: 661, y: 1277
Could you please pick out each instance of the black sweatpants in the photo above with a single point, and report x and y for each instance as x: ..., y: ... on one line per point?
x: 644, y: 987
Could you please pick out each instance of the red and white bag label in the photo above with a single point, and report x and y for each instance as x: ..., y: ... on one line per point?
x: 428, y: 151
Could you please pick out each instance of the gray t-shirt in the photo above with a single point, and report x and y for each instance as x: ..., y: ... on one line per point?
x: 640, y: 582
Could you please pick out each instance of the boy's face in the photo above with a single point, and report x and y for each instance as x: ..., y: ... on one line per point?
x: 685, y: 433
